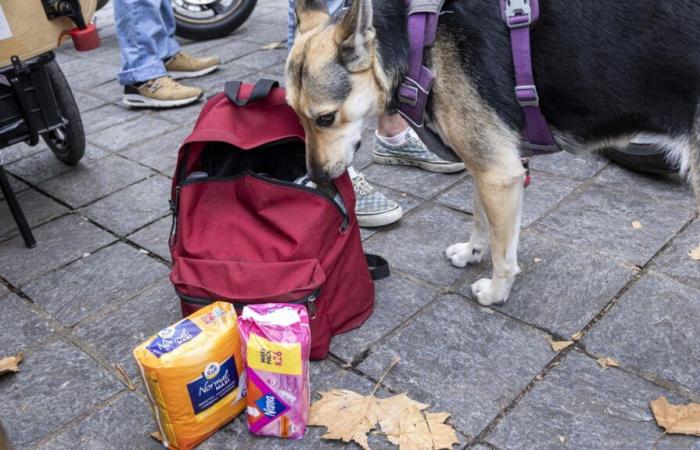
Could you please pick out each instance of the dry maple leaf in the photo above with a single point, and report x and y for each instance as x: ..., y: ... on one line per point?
x: 11, y: 363
x: 607, y: 362
x: 577, y: 336
x: 419, y: 430
x: 637, y: 225
x: 390, y: 411
x: 347, y: 415
x: 695, y: 253
x: 677, y: 419
x: 272, y: 45
x: 558, y: 346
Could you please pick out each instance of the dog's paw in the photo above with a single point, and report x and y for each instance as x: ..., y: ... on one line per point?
x: 483, y: 290
x: 464, y: 254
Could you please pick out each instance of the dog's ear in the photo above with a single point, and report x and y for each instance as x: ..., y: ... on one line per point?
x: 310, y: 14
x: 355, y: 35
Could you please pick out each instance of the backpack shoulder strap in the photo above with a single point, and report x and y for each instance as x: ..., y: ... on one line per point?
x: 261, y: 89
x: 378, y: 266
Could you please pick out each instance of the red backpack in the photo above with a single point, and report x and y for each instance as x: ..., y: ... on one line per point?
x: 245, y: 233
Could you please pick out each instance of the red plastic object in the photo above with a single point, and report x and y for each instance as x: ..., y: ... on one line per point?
x: 86, y: 39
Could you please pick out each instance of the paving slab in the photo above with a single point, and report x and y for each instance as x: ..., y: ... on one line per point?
x: 107, y: 116
x: 410, y: 179
x: 405, y: 200
x: 669, y: 188
x: 675, y: 259
x: 463, y: 359
x: 160, y: 153
x: 57, y: 384
x: 134, y: 207
x: 21, y: 327
x: 154, y: 237
x: 561, y: 288
x: 396, y: 300
x: 37, y: 208
x: 270, y: 34
x: 83, y: 74
x: 541, y: 196
x: 654, y: 330
x: 59, y: 242
x: 123, y: 424
x: 183, y: 118
x: 17, y: 186
x: 87, y: 183
x: 21, y: 150
x: 214, y: 82
x: 577, y: 167
x: 602, y: 219
x: 95, y: 282
x: 87, y: 102
x: 43, y: 165
x: 127, y: 134
x: 417, y: 243
x: 581, y: 405
x: 114, y: 335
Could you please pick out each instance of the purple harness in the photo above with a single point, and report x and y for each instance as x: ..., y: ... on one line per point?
x: 519, y: 16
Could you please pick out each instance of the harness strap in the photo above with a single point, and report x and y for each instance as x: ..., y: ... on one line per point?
x: 519, y: 16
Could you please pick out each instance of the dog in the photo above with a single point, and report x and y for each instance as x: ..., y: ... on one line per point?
x: 605, y: 71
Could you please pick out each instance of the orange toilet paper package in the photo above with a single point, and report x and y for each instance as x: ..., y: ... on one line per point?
x: 194, y: 376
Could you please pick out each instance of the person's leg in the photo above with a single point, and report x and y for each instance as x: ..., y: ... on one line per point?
x: 141, y: 34
x: 168, y: 47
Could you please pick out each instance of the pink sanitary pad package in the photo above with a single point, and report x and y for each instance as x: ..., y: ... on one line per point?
x: 276, y: 341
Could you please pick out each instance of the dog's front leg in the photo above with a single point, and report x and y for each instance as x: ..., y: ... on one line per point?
x: 501, y: 191
x: 472, y: 252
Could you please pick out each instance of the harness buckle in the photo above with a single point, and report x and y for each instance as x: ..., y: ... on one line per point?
x: 408, y: 94
x: 518, y: 13
x: 527, y: 96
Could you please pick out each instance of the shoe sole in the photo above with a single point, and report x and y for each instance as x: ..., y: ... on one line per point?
x: 379, y: 220
x: 140, y: 101
x: 445, y: 167
x: 195, y: 74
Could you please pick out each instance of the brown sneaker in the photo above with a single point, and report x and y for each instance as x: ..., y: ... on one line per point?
x: 184, y: 65
x: 163, y: 92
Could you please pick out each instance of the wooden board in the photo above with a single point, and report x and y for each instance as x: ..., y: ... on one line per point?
x: 27, y: 32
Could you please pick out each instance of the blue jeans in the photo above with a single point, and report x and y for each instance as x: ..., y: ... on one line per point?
x: 146, y: 33
x: 333, y: 6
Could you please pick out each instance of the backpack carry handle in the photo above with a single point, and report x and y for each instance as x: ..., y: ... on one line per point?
x: 261, y: 89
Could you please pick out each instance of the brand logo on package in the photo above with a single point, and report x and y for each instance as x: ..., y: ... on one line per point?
x: 216, y: 382
x: 172, y: 337
x: 270, y: 405
x: 212, y: 316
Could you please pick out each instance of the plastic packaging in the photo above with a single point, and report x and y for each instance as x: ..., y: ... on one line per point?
x: 194, y: 376
x: 276, y: 344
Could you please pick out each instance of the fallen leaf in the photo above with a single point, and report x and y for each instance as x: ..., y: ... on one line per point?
x: 157, y: 436
x: 562, y: 439
x: 390, y: 413
x: 537, y: 260
x: 347, y: 415
x: 607, y: 362
x: 11, y: 363
x: 273, y: 45
x: 637, y: 225
x: 695, y: 254
x: 677, y: 419
x: 558, y: 346
x: 443, y: 435
x: 577, y: 336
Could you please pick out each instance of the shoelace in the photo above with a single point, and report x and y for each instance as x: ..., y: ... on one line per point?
x: 361, y: 185
x: 159, y: 83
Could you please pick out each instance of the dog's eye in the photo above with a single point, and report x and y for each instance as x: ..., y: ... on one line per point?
x: 325, y: 120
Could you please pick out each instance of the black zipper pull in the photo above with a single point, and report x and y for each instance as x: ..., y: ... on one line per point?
x: 311, y: 305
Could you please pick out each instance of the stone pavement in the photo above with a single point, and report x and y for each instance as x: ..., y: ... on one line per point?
x: 96, y: 286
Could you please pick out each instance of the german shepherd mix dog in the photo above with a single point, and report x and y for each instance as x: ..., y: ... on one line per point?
x: 605, y: 71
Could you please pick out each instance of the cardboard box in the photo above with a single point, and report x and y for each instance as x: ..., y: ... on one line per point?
x: 25, y: 30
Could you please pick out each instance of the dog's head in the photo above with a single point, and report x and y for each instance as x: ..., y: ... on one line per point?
x: 333, y: 82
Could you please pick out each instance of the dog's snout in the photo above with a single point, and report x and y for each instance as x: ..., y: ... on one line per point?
x: 319, y: 177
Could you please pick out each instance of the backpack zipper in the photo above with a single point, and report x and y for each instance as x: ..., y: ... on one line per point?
x: 309, y: 301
